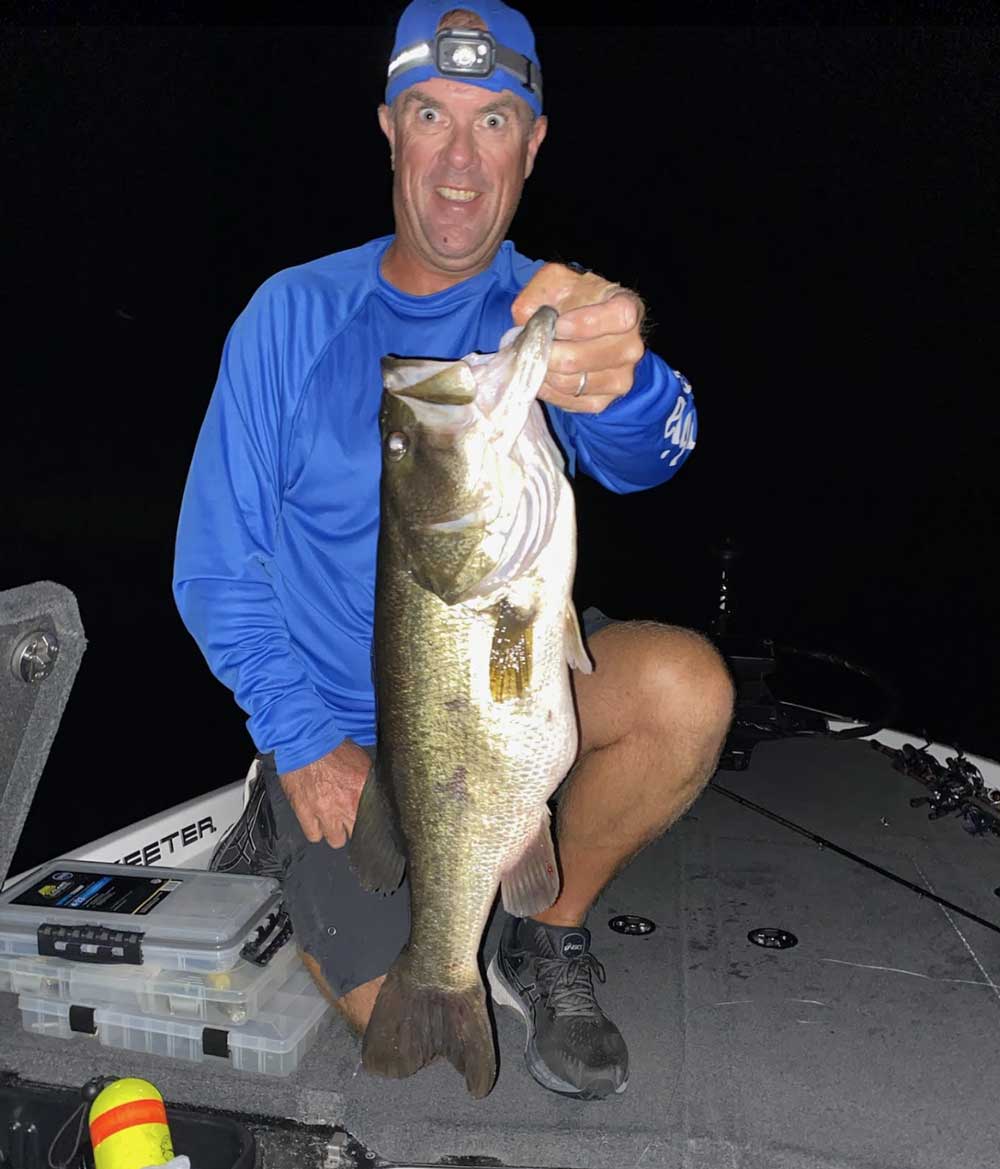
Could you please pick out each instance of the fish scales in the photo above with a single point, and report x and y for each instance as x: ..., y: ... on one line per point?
x: 474, y: 631
x: 445, y: 722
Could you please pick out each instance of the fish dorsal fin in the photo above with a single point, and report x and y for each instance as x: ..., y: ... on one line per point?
x: 441, y: 383
x: 510, y: 653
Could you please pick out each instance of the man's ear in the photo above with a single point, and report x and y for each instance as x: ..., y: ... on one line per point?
x: 385, y: 120
x: 537, y: 137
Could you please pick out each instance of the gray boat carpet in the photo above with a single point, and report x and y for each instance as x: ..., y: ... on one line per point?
x: 871, y: 1043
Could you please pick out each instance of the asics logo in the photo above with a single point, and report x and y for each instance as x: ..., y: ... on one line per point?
x: 573, y: 945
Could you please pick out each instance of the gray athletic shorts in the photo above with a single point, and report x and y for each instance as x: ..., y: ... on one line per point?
x: 354, y: 935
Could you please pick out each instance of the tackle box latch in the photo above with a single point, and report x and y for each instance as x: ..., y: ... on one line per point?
x: 90, y: 943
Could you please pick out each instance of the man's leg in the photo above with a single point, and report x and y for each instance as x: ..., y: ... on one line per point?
x: 347, y: 937
x: 653, y: 719
x: 356, y: 1005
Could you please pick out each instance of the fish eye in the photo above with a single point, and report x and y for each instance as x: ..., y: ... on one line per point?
x: 396, y: 445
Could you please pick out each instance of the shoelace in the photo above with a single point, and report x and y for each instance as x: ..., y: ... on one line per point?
x: 568, y: 984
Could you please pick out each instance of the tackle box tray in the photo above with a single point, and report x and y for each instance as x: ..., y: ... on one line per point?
x: 226, y: 998
x: 108, y: 914
x: 272, y: 1045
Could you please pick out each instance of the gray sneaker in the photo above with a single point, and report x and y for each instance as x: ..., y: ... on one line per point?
x: 545, y: 973
x: 250, y: 845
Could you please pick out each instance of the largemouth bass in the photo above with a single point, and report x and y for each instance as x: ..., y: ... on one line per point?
x: 475, y: 631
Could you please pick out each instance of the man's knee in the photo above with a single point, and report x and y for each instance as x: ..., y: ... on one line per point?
x: 677, y: 681
x: 690, y: 678
x: 687, y: 702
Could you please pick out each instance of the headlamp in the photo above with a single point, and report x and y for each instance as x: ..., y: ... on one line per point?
x: 463, y: 52
x: 468, y: 53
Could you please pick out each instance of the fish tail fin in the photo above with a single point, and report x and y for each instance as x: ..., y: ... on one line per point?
x: 413, y: 1024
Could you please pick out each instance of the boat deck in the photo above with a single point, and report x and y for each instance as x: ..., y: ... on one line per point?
x: 872, y: 1042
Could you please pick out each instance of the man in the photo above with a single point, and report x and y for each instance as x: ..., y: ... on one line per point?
x: 276, y: 547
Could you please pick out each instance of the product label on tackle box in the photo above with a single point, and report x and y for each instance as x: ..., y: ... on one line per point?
x: 108, y: 892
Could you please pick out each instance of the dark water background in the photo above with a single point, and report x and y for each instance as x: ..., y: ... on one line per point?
x: 810, y: 212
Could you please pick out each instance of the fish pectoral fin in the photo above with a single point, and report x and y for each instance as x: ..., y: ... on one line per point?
x: 510, y: 653
x: 576, y: 651
x: 531, y: 884
x: 376, y: 846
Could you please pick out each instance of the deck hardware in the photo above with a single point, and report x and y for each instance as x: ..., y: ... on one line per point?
x: 630, y: 923
x: 772, y: 939
x: 35, y: 656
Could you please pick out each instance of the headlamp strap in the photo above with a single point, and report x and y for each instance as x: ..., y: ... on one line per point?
x: 521, y: 67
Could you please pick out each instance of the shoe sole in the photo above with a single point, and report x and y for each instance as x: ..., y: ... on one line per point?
x: 505, y: 995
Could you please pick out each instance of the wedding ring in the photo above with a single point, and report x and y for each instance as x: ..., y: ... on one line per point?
x: 581, y: 387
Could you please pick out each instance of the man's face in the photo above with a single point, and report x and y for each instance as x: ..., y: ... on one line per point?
x: 460, y: 157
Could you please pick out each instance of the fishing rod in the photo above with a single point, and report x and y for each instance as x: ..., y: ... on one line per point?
x: 846, y: 852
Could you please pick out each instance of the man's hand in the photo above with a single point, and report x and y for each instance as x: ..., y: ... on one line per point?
x: 324, y: 795
x: 598, y: 342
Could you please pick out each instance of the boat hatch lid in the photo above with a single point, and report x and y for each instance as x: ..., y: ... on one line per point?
x: 41, y: 644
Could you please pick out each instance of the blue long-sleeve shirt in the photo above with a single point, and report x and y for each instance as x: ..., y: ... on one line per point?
x: 274, y: 573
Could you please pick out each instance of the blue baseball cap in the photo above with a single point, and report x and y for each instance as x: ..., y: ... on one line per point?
x: 504, y: 57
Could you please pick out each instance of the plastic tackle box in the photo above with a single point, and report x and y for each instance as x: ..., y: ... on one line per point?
x: 107, y: 914
x: 272, y: 1045
x: 227, y: 998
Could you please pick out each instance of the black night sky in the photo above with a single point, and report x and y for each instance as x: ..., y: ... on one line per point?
x: 809, y: 210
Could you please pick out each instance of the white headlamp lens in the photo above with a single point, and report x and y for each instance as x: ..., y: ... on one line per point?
x: 464, y: 57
